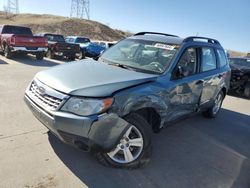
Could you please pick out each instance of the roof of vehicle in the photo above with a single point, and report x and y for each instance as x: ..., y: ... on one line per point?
x: 159, y: 38
x: 248, y: 58
x: 77, y: 37
x: 13, y: 25
x: 172, y: 39
x: 43, y: 34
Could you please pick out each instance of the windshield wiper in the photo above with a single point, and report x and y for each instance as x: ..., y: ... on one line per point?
x: 120, y: 65
x: 127, y: 67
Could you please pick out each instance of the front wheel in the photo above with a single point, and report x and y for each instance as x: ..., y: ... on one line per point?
x: 50, y: 54
x: 134, y: 149
x: 81, y: 55
x: 247, y: 90
x: 213, y: 111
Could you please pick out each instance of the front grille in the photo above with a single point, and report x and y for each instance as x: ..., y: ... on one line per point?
x: 48, y: 101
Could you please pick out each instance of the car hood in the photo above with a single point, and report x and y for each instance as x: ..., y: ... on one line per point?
x: 91, y: 78
x: 240, y: 68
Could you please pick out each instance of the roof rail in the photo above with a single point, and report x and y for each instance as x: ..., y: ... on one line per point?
x: 154, y: 33
x: 209, y: 40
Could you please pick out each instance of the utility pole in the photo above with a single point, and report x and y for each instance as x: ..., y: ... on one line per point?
x: 12, y: 6
x: 79, y: 9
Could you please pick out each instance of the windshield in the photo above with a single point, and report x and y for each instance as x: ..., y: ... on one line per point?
x: 240, y: 62
x: 55, y: 38
x: 142, y: 55
x: 16, y: 30
x: 82, y: 40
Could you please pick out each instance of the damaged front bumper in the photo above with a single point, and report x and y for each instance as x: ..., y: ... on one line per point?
x: 101, y: 132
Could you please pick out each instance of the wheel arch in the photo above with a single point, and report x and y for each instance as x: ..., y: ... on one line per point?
x: 152, y: 108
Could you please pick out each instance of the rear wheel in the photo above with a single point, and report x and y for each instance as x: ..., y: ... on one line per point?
x: 7, y: 52
x: 247, y: 90
x: 81, y: 55
x: 213, y: 111
x: 72, y: 58
x: 134, y: 149
x: 39, y: 56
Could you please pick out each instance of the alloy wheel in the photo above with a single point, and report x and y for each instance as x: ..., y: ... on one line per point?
x: 129, y: 147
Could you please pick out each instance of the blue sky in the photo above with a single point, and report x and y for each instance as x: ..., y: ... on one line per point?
x: 226, y: 20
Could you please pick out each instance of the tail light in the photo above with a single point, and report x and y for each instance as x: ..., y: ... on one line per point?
x: 46, y: 42
x: 12, y: 40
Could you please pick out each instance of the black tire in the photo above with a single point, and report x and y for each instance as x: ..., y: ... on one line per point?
x: 145, y: 129
x: 39, y: 56
x: 81, y: 55
x: 247, y: 90
x: 50, y: 54
x: 7, y: 52
x: 72, y: 58
x: 211, y: 112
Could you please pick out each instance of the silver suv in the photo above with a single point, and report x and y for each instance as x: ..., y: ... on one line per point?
x: 138, y: 86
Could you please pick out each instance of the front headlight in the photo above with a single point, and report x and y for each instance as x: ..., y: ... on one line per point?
x: 86, y: 107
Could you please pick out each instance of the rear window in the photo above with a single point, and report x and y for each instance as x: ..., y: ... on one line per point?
x: 16, y: 30
x: 55, y: 38
x: 82, y: 40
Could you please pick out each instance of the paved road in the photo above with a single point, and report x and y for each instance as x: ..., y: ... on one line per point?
x: 196, y: 152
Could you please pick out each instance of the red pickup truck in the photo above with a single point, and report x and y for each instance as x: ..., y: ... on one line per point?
x: 18, y: 39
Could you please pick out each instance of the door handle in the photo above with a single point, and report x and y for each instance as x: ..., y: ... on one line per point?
x: 199, y: 82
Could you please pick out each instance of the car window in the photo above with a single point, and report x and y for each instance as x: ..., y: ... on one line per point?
x: 82, y: 40
x: 16, y: 30
x: 208, y: 59
x: 239, y: 62
x: 55, y: 38
x: 142, y: 55
x: 222, y: 57
x: 188, y: 62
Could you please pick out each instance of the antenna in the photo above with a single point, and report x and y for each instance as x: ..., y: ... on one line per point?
x: 79, y: 8
x: 12, y: 6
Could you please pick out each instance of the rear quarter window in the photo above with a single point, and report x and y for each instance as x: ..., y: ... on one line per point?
x: 221, y: 57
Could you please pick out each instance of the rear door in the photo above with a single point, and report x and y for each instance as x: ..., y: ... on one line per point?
x: 186, y: 86
x: 209, y: 70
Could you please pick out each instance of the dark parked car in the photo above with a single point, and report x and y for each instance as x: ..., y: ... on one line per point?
x: 88, y: 48
x: 19, y: 39
x: 83, y: 43
x: 140, y: 85
x: 57, y: 47
x: 240, y: 79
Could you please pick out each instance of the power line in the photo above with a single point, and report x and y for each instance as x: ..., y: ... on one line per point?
x: 79, y: 9
x: 12, y: 6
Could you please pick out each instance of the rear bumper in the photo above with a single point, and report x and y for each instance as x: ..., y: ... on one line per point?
x: 29, y: 49
x: 101, y: 133
x: 65, y: 53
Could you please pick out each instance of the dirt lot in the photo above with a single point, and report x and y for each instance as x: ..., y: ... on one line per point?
x: 196, y: 152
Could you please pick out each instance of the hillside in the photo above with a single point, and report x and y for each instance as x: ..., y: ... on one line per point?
x: 236, y: 53
x: 64, y: 25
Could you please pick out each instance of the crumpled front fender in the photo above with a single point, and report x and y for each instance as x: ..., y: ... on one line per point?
x: 149, y: 101
x: 106, y: 132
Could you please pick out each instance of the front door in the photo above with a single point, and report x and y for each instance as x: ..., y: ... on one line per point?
x: 186, y: 87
